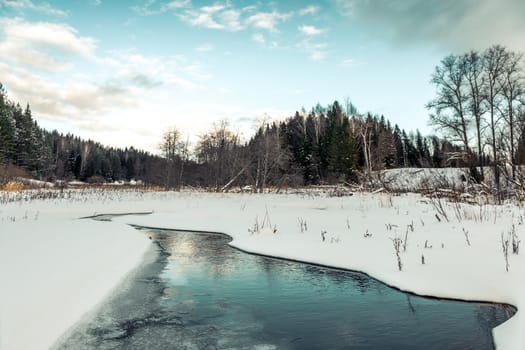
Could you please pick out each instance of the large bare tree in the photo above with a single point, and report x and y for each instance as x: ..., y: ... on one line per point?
x: 174, y: 151
x: 451, y: 104
x: 476, y: 81
x: 512, y: 90
x: 493, y: 63
x: 219, y: 151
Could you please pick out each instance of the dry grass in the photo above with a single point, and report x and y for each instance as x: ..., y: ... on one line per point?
x: 12, y: 186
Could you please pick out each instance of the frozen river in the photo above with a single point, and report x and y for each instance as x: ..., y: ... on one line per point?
x: 195, y: 292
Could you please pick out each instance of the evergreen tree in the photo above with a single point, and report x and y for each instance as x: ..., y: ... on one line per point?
x: 7, y: 129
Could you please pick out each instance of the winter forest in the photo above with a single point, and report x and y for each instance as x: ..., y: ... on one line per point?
x: 478, y: 113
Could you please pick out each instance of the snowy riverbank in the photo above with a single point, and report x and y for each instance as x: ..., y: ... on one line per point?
x: 67, y: 257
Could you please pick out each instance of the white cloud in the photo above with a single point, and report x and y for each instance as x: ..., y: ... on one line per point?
x: 267, y: 20
x: 203, y: 20
x: 150, y: 7
x: 148, y: 72
x: 231, y: 20
x: 310, y: 30
x: 55, y: 101
x: 213, y: 8
x: 309, y: 10
x: 115, y: 84
x: 30, y: 5
x: 176, y: 4
x: 42, y: 45
x: 218, y: 16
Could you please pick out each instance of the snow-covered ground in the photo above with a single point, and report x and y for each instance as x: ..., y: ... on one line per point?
x: 416, y: 179
x: 56, y: 268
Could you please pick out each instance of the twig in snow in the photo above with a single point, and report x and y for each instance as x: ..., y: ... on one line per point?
x: 457, y: 211
x: 465, y: 232
x: 255, y: 226
x: 266, y: 219
x: 437, y: 203
x: 405, y: 241
x: 505, y: 247
x: 397, y: 248
x: 302, y: 225
x: 515, y: 241
x: 390, y: 226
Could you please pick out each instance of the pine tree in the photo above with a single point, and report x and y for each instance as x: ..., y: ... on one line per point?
x: 7, y: 129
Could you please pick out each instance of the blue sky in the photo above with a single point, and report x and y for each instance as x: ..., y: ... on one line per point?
x: 122, y: 72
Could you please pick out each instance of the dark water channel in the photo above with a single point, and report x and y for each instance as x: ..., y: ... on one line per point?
x: 196, y: 292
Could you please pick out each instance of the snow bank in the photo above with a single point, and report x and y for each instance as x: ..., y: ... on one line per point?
x: 418, y: 179
x: 56, y: 268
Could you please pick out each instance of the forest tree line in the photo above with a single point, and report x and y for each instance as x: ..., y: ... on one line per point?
x: 478, y: 107
x: 323, y: 146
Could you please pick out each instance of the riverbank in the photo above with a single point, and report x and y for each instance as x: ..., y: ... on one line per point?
x: 54, y: 269
x: 58, y: 268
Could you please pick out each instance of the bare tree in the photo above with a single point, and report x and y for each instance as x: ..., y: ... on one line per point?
x: 451, y: 103
x: 169, y: 147
x: 475, y: 78
x: 493, y: 62
x: 269, y: 154
x: 183, y: 150
x: 512, y: 89
x: 217, y: 150
x: 365, y: 130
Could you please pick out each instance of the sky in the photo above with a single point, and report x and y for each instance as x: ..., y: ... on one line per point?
x: 123, y: 72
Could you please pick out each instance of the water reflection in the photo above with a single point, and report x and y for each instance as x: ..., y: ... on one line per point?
x: 202, y: 294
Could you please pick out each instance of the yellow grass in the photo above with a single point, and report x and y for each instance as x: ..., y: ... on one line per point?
x: 13, y: 186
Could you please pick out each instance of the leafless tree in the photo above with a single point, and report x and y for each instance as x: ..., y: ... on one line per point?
x: 512, y: 89
x: 475, y: 78
x: 451, y: 104
x: 169, y: 148
x: 218, y: 150
x: 493, y: 63
x: 269, y: 154
x: 365, y: 130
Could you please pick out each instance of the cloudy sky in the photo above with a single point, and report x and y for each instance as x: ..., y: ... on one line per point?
x: 121, y: 72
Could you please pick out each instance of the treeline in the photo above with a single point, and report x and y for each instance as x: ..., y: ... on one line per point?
x: 480, y: 105
x: 326, y: 145
x: 52, y: 156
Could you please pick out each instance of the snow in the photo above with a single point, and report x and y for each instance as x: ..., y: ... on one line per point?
x: 56, y: 269
x: 415, y: 179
